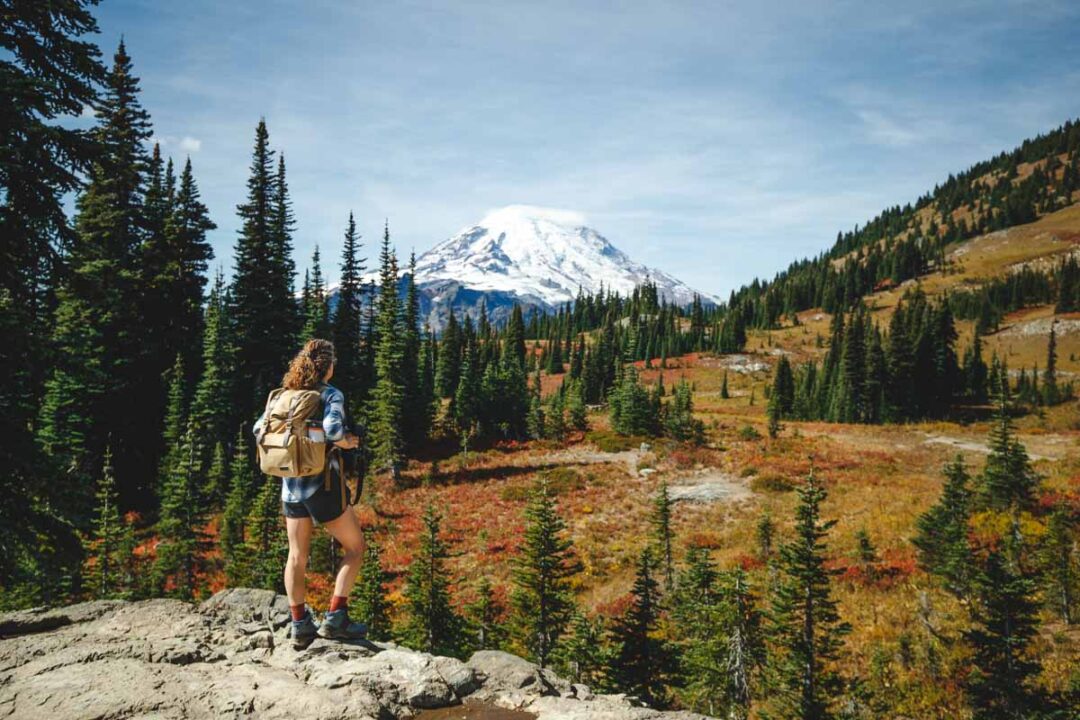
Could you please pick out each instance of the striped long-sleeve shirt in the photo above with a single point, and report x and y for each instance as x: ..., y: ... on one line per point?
x: 297, y: 489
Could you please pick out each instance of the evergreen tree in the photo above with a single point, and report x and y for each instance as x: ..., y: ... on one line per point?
x: 632, y: 410
x: 577, y: 413
x: 1007, y: 481
x: 217, y: 477
x: 234, y: 516
x: 467, y: 401
x: 266, y: 546
x: 585, y: 654
x: 104, y: 546
x: 179, y: 277
x: 1059, y: 563
x: 679, y: 421
x: 182, y: 540
x: 175, y: 424
x: 370, y: 599
x: 783, y: 388
x: 535, y: 418
x: 1051, y: 394
x: 724, y: 394
x: 262, y: 307
x: 1004, y: 614
x: 555, y: 417
x: 316, y: 311
x: 351, y: 373
x: 515, y: 335
x: 643, y: 662
x: 50, y: 72
x: 764, y: 535
x: 96, y: 330
x: 541, y: 601
x: 431, y: 624
x: 448, y: 368
x: 805, y: 629
x: 209, y: 406
x: 282, y: 224
x: 387, y: 440
x: 662, y: 536
x: 416, y: 420
x: 485, y: 617
x: 942, y: 537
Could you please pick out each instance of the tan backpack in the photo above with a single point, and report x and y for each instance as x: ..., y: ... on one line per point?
x: 286, y: 447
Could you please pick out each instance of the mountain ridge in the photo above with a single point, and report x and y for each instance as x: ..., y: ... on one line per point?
x: 540, y: 258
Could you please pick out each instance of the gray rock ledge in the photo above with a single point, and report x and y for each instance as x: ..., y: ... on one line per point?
x: 230, y: 657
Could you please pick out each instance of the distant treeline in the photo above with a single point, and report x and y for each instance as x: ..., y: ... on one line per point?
x: 905, y: 242
x: 911, y: 372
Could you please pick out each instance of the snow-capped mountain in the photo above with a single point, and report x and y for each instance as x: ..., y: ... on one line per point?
x: 538, y: 257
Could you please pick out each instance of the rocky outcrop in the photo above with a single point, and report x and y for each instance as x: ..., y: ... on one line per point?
x: 230, y: 657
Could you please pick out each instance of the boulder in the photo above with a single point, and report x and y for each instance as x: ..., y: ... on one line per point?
x: 230, y: 657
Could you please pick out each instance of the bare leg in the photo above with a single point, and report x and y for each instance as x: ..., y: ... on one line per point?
x: 347, y: 531
x: 299, y: 530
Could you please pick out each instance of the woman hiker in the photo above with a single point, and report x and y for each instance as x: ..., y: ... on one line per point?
x: 305, y: 501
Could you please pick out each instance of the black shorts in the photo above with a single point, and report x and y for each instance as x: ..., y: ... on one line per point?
x: 323, y: 505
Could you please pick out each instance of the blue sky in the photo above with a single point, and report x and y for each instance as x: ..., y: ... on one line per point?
x: 715, y: 140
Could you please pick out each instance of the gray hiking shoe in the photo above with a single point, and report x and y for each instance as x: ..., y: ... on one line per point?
x: 304, y: 631
x: 337, y: 626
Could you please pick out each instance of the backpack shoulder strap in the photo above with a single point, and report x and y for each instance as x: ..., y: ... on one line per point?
x: 270, y: 399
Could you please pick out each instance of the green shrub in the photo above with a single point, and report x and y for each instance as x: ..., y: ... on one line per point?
x: 608, y: 441
x: 771, y: 483
x: 749, y: 432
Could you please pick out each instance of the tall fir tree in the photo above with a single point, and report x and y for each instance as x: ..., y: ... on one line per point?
x: 96, y: 326
x: 415, y: 422
x: 266, y: 545
x: 541, y: 601
x: 485, y: 618
x: 369, y: 598
x: 210, y: 411
x: 262, y: 308
x: 105, y: 546
x: 662, y: 536
x: 182, y: 540
x: 643, y: 661
x: 448, y: 369
x: 351, y: 373
x: 174, y: 426
x: 942, y: 537
x: 1005, y: 621
x: 283, y: 223
x: 805, y: 630
x: 431, y: 623
x: 1007, y: 481
x: 388, y: 397
x: 1051, y: 394
x: 173, y: 264
x: 316, y: 311
x: 50, y: 73
x: 1059, y: 561
x: 234, y: 517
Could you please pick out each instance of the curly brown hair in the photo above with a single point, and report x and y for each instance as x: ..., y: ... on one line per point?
x: 310, y: 365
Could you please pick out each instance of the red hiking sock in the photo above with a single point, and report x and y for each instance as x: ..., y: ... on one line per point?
x: 298, y: 611
x: 339, y: 602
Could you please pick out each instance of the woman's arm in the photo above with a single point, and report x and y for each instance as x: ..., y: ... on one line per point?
x: 334, y: 418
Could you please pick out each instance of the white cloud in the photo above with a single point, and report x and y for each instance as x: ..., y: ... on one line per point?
x: 190, y: 144
x: 185, y: 144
